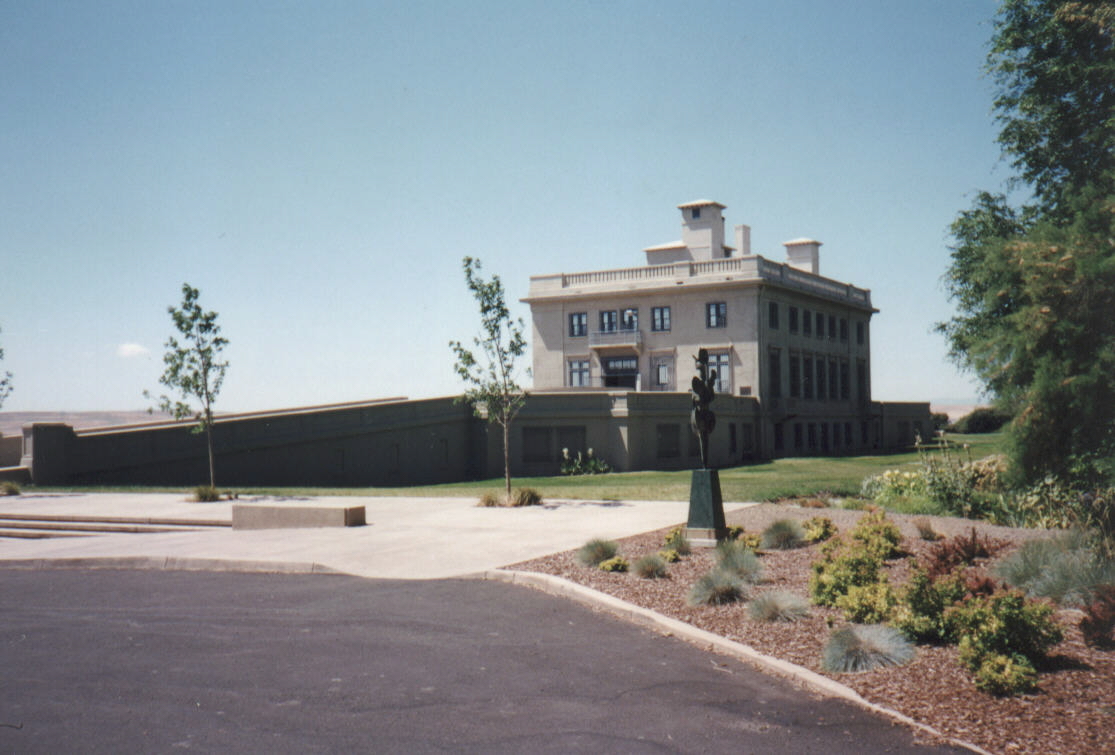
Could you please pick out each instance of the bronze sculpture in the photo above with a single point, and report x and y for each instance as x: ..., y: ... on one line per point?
x: 701, y: 418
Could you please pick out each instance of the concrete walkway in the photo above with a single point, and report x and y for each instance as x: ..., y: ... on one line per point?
x: 405, y: 538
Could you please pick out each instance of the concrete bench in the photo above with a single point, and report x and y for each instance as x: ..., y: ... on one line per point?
x: 263, y: 516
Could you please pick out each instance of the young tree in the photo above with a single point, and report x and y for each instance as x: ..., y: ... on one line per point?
x: 1034, y: 285
x: 493, y: 392
x: 5, y: 382
x: 194, y: 368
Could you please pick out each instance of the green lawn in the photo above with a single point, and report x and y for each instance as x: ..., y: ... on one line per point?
x: 756, y: 482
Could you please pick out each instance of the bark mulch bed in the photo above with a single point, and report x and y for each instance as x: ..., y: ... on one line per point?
x: 1073, y: 712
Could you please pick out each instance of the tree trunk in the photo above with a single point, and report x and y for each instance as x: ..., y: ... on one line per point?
x: 209, y: 443
x: 507, y: 458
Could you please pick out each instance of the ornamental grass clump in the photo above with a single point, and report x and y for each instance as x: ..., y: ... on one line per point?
x: 783, y: 535
x: 716, y: 588
x: 651, y: 566
x: 525, y: 497
x: 7, y: 487
x: 865, y: 647
x: 1065, y: 569
x: 740, y: 560
x: 596, y: 550
x: 206, y: 494
x: 778, y: 605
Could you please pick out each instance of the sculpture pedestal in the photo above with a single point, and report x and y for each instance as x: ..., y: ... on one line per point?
x: 705, y: 527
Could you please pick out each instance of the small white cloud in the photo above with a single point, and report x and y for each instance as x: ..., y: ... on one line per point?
x: 130, y: 350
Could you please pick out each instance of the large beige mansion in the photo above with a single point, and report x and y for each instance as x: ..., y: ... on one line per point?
x: 797, y: 342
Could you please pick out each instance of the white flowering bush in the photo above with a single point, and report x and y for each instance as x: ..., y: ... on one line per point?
x: 896, y: 488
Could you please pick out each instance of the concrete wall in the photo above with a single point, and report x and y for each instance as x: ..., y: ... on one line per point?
x: 399, y: 442
x: 11, y: 449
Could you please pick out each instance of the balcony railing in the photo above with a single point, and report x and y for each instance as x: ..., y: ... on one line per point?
x: 620, y: 337
x: 738, y: 268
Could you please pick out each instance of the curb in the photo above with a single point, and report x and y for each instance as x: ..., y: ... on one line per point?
x: 170, y: 563
x: 672, y: 627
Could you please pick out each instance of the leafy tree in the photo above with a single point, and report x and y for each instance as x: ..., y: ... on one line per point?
x: 194, y: 368
x: 1054, y: 64
x: 1034, y: 285
x: 5, y: 383
x: 493, y: 392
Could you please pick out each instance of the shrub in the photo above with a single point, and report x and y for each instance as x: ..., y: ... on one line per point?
x: 897, y: 489
x: 878, y: 535
x: 651, y: 566
x: 526, y: 497
x: 718, y: 587
x: 818, y: 529
x: 489, y: 500
x: 1006, y: 675
x: 616, y: 563
x: 1099, y: 617
x: 735, y: 531
x: 783, y: 534
x: 751, y: 540
x: 961, y: 550
x: 841, y: 566
x: 738, y: 559
x: 597, y: 550
x: 860, y: 647
x: 1046, y: 504
x: 206, y: 494
x: 1095, y: 513
x: 1064, y: 568
x: 677, y: 540
x: 669, y: 555
x: 926, y: 531
x: 8, y: 487
x: 867, y: 604
x: 583, y: 464
x: 1002, y: 624
x: 778, y: 606
x: 920, y: 611
x: 980, y: 420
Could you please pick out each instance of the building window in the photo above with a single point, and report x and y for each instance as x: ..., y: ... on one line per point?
x: 820, y: 325
x: 667, y: 441
x: 733, y: 440
x: 845, y: 380
x: 798, y: 443
x: 536, y: 444
x: 775, y: 372
x: 620, y: 372
x: 629, y: 320
x: 795, y: 376
x: 793, y: 319
x: 861, y: 333
x: 572, y: 439
x: 811, y: 432
x: 843, y: 330
x: 834, y: 379
x: 578, y: 324
x: 662, y: 375
x: 772, y: 315
x: 807, y: 377
x: 832, y: 326
x: 822, y: 382
x: 779, y: 438
x: 716, y: 314
x: 608, y: 321
x: 695, y: 213
x: 806, y: 322
x: 720, y: 362
x: 861, y: 380
x: 848, y: 434
x: 578, y: 373
x: 825, y: 437
x: 660, y: 319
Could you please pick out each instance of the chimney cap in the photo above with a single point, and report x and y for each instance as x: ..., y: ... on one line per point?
x: 801, y: 242
x: 701, y: 203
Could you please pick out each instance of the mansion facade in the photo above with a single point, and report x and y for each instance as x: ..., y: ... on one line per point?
x: 796, y: 343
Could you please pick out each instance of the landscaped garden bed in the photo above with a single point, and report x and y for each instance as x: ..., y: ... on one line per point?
x: 1072, y: 710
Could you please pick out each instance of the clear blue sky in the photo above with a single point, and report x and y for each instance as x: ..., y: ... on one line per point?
x: 318, y: 169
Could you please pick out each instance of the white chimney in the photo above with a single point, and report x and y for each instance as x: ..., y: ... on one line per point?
x: 804, y: 254
x: 743, y: 240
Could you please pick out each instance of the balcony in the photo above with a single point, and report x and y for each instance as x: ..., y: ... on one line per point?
x: 622, y: 337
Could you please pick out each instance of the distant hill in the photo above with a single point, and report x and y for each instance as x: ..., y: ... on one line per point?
x: 11, y: 423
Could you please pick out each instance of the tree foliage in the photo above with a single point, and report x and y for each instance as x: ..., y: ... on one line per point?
x: 1033, y: 285
x: 492, y: 392
x: 5, y: 382
x: 194, y: 367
